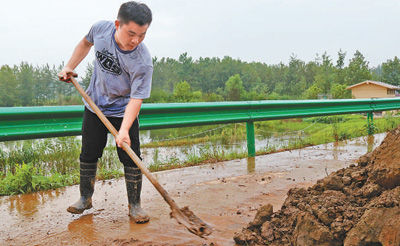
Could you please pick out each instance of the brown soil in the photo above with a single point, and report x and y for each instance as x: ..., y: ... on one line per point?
x: 358, y: 205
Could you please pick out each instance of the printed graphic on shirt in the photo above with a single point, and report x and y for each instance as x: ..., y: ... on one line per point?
x: 108, y: 62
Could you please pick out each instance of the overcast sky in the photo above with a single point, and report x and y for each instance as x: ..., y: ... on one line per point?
x: 270, y: 31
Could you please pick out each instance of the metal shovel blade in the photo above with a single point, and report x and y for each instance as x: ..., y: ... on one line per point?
x: 193, y: 223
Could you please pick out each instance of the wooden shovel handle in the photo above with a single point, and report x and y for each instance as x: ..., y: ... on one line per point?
x: 126, y: 147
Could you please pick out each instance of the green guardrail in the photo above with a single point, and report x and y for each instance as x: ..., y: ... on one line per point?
x: 18, y: 123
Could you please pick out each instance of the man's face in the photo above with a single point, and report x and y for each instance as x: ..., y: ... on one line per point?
x: 129, y: 35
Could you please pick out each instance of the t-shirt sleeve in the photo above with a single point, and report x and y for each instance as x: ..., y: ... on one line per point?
x: 96, y: 28
x: 141, y: 83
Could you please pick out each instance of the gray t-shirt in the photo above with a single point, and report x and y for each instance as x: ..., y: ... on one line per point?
x: 118, y: 75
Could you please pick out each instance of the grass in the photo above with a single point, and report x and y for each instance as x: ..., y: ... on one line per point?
x: 43, y: 164
x: 32, y: 165
x: 27, y: 178
x: 209, y: 154
x: 184, y: 136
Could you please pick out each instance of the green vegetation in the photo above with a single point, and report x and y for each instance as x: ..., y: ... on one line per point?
x: 208, y: 79
x: 209, y: 153
x: 33, y: 165
x: 26, y: 178
x: 185, y: 136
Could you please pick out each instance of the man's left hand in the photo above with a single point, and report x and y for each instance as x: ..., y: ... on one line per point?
x: 123, y: 136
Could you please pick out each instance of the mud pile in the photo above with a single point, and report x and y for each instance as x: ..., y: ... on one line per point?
x: 358, y: 205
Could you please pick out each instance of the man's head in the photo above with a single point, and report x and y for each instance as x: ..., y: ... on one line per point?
x: 132, y: 23
x: 136, y: 12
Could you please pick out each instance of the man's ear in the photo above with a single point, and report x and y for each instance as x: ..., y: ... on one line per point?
x: 117, y: 24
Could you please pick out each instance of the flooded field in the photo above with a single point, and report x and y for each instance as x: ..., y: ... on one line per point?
x: 66, y: 150
x: 184, y: 153
x: 151, y: 155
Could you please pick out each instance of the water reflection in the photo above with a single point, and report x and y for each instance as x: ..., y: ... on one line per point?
x: 370, y: 143
x: 335, y: 150
x: 172, y: 154
x: 251, y: 164
x: 27, y: 205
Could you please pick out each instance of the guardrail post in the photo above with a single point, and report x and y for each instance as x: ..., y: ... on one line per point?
x: 370, y: 122
x: 251, y: 142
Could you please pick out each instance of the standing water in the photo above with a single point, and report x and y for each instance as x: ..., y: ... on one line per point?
x: 61, y: 154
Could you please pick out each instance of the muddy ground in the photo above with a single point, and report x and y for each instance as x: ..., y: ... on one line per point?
x: 355, y: 206
x: 226, y: 195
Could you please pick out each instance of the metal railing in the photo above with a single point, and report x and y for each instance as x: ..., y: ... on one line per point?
x: 18, y: 123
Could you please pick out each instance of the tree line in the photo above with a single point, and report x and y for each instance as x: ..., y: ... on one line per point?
x: 209, y: 79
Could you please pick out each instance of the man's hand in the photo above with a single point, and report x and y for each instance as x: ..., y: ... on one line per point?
x: 80, y: 52
x: 66, y: 74
x: 131, y: 112
x: 123, y: 136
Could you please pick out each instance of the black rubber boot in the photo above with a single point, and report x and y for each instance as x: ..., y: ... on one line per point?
x: 86, y: 187
x: 133, y: 179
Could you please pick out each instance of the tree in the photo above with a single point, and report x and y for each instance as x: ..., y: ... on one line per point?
x: 208, y: 79
x: 357, y: 71
x: 340, y: 73
x: 158, y: 96
x: 26, y: 83
x: 278, y: 83
x: 325, y: 74
x: 293, y: 76
x: 165, y: 74
x: 234, y: 90
x: 8, y: 87
x: 260, y: 92
x: 88, y: 75
x: 340, y: 60
x: 45, y: 81
x: 213, y: 97
x: 197, y: 96
x: 183, y: 92
x: 186, y: 71
x: 339, y: 91
x: 391, y: 71
x: 312, y: 92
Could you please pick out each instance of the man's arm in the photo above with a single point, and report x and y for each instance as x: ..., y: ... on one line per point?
x: 131, y: 112
x: 80, y: 52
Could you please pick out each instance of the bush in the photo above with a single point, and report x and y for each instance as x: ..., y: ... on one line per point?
x: 329, y: 119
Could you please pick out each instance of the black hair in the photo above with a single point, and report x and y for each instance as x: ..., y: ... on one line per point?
x: 136, y: 12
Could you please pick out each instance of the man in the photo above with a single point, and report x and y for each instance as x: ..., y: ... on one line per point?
x: 121, y: 80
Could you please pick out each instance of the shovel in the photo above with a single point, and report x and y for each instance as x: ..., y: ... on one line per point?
x: 183, y: 216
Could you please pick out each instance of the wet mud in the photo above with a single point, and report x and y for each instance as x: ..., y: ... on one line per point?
x: 354, y: 206
x: 226, y: 195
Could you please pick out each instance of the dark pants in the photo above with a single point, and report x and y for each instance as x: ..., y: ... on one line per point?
x: 94, y: 139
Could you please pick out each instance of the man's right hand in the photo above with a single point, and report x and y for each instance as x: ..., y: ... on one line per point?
x: 66, y: 74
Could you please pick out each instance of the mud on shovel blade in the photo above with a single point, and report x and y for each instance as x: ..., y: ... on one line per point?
x: 193, y: 223
x: 183, y: 216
